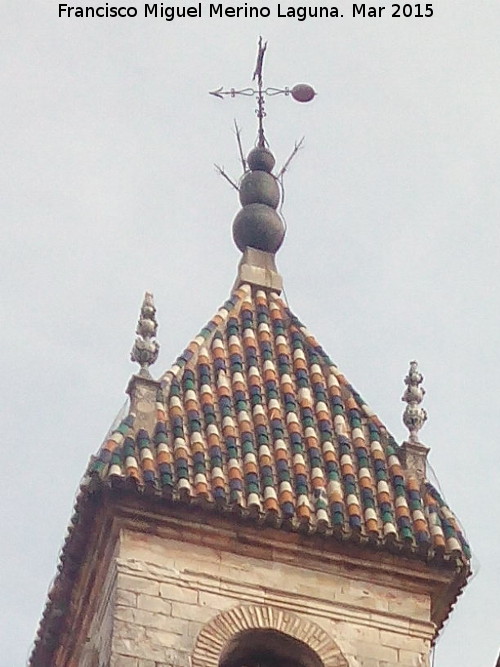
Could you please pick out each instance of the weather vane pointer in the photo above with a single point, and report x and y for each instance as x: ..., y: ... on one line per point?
x: 301, y: 92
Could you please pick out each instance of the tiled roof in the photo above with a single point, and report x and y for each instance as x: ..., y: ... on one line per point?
x: 254, y: 417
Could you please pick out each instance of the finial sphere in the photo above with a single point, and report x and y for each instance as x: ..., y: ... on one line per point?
x: 258, y: 226
x: 261, y: 159
x: 259, y: 187
x: 303, y: 92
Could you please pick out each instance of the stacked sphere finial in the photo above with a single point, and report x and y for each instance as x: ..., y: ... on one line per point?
x: 258, y: 225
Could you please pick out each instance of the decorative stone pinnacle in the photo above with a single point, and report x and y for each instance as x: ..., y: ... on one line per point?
x: 145, y: 350
x: 414, y: 416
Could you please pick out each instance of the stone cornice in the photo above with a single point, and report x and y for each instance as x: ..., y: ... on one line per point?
x: 444, y: 584
x: 186, y: 524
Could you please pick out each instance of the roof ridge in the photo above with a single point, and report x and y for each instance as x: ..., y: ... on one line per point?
x: 333, y: 368
x: 190, y: 355
x: 448, y: 525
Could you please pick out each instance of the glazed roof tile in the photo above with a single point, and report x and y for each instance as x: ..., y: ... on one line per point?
x: 254, y: 417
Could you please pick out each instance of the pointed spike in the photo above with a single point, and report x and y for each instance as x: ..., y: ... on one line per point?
x: 298, y: 146
x: 217, y: 93
x: 220, y: 170
x: 240, y: 147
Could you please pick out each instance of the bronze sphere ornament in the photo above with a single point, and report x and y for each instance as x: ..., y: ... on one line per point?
x: 303, y: 92
x: 258, y: 225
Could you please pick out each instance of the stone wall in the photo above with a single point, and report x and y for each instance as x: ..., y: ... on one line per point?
x: 177, y: 603
x: 97, y: 649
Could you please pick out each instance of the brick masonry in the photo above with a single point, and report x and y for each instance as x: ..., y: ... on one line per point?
x: 176, y: 604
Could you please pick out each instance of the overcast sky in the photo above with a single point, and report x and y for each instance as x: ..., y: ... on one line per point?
x: 108, y: 189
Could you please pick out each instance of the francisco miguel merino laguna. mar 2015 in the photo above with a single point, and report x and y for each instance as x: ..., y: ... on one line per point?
x: 218, y: 10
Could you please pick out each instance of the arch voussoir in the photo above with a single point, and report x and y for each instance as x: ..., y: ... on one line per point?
x: 214, y: 636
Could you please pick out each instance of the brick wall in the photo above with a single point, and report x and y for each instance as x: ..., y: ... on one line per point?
x: 171, y: 595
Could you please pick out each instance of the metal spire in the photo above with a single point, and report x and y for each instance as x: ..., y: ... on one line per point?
x: 145, y: 350
x: 414, y: 416
x: 301, y: 92
x: 257, y: 75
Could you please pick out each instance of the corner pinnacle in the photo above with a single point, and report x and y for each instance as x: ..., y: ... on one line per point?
x: 145, y: 349
x: 414, y: 416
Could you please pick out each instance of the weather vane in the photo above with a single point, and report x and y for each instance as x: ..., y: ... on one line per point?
x: 301, y: 92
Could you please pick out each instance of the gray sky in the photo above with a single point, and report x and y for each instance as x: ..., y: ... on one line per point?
x: 108, y: 189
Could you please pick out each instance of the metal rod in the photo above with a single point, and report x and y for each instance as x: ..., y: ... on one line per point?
x: 296, y: 149
x: 240, y: 147
x: 221, y: 171
x: 260, y: 94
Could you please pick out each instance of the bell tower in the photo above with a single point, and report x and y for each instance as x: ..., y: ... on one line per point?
x: 250, y: 508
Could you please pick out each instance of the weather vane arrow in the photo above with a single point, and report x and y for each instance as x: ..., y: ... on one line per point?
x: 301, y: 92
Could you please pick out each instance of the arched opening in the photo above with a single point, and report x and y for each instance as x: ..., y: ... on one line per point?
x: 218, y: 641
x: 267, y: 648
